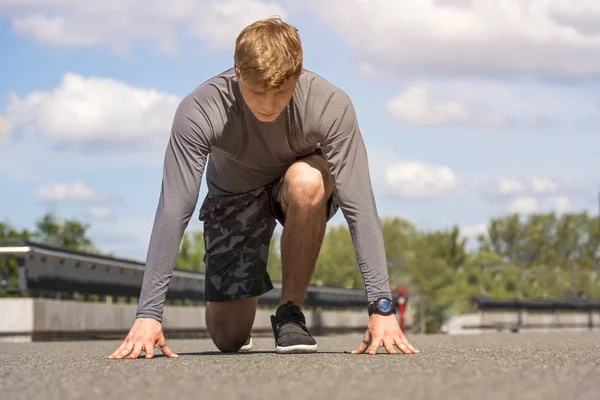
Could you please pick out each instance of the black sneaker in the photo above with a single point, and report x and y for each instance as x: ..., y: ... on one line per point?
x: 289, y: 329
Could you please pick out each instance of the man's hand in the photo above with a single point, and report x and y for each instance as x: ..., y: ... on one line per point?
x: 384, y: 331
x: 145, y: 334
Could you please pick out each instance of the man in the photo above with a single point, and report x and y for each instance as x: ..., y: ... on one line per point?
x: 285, y: 146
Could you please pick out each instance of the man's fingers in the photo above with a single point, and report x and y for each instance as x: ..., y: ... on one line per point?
x: 375, y: 345
x: 365, y: 343
x: 149, y: 348
x: 125, y: 350
x: 403, y: 346
x: 119, y: 349
x: 162, y: 345
x: 136, y: 350
x: 404, y: 340
x: 167, y: 352
x: 361, y: 349
x: 388, y: 343
x: 410, y: 346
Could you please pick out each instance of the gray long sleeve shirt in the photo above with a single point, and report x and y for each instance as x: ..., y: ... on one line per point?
x: 246, y: 154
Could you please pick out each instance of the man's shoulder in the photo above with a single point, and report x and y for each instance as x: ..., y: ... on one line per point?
x: 220, y: 87
x: 318, y: 92
x: 318, y: 84
x: 213, y: 100
x: 320, y: 103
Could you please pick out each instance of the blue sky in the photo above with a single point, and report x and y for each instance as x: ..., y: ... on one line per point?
x: 468, y: 111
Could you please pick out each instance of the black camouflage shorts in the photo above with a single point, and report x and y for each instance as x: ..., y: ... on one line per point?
x: 237, y: 236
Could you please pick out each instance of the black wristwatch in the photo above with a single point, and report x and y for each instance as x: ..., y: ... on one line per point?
x: 382, y: 306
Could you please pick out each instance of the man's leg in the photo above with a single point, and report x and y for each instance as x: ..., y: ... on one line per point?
x: 304, y: 203
x: 230, y: 322
x: 304, y: 197
x: 237, y: 234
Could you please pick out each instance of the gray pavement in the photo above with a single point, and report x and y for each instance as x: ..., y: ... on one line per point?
x: 545, y: 366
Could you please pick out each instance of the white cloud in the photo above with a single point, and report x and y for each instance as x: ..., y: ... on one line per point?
x: 53, y: 30
x: 543, y: 185
x: 95, y: 111
x: 76, y: 192
x: 511, y: 186
x: 3, y: 128
x: 523, y: 205
x: 528, y: 205
x: 539, y: 194
x: 473, y: 231
x: 551, y: 38
x: 119, y: 23
x: 583, y: 16
x: 414, y: 107
x: 98, y: 212
x: 417, y: 180
x: 489, y: 103
x: 560, y: 204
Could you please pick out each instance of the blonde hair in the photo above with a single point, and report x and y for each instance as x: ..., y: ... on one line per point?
x: 267, y: 53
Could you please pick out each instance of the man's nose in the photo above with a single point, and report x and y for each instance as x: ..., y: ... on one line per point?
x: 269, y: 104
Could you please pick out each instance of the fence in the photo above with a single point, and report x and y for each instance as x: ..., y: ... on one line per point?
x: 537, y: 305
x: 47, y: 269
x: 527, y: 315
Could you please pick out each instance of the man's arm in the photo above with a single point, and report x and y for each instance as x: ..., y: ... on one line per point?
x: 185, y: 158
x: 184, y: 162
x: 343, y: 145
x: 344, y: 148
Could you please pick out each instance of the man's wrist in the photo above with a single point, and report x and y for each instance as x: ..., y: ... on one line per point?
x: 382, y: 306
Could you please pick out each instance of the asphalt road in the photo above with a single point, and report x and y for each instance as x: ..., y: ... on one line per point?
x: 563, y: 366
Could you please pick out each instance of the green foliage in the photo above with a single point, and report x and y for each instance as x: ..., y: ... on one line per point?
x: 336, y: 265
x: 191, y: 253
x: 68, y: 234
x: 274, y: 262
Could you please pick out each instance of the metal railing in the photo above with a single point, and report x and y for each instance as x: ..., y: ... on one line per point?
x: 47, y: 269
x: 537, y: 305
x: 540, y: 306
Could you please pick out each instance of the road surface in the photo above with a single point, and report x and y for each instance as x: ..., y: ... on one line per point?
x: 547, y: 366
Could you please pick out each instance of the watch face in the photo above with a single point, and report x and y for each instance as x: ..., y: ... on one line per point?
x: 385, y: 305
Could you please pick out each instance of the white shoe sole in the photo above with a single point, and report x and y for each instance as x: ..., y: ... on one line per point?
x: 247, y: 347
x: 298, y: 349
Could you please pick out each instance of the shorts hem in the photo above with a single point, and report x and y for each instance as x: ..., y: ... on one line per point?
x: 216, y: 296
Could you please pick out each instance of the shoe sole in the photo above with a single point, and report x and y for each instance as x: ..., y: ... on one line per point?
x: 297, y: 349
x: 246, y: 347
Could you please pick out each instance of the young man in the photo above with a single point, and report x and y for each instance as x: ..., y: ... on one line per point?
x: 284, y: 146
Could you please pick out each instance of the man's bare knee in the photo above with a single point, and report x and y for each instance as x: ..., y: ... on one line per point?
x: 307, y: 183
x: 230, y: 342
x: 229, y: 323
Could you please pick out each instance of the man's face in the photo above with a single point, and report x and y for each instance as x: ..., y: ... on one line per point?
x: 266, y: 106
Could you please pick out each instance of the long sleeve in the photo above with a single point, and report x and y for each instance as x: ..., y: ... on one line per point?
x: 184, y: 163
x: 343, y: 145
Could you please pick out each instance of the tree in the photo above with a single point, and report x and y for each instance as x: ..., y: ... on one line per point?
x: 274, y: 261
x: 191, y: 253
x: 9, y: 270
x: 336, y: 264
x: 447, y: 245
x: 552, y: 256
x: 69, y: 234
